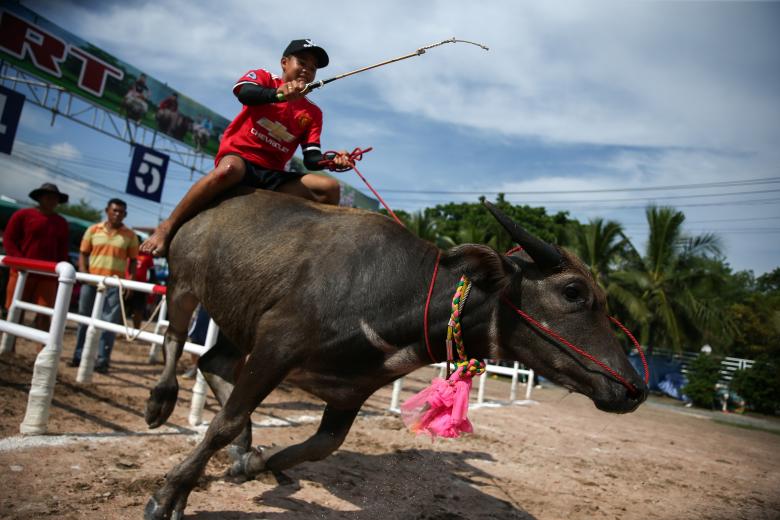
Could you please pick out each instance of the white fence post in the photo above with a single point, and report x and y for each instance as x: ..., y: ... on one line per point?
x: 45, y: 368
x: 481, y: 392
x: 90, y: 349
x: 513, y: 388
x: 396, y: 397
x: 200, y: 387
x: 529, y: 385
x: 7, y: 342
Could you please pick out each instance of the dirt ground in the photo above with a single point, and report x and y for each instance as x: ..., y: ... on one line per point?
x: 557, y: 459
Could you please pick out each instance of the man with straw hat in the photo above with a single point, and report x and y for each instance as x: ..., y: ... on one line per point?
x: 41, y: 234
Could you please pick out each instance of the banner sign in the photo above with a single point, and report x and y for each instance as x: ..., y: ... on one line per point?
x: 147, y: 173
x: 38, y: 46
x: 11, y: 103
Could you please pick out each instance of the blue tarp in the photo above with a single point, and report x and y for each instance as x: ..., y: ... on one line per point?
x: 665, y: 374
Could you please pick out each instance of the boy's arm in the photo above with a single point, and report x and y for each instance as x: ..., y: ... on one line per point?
x: 250, y: 94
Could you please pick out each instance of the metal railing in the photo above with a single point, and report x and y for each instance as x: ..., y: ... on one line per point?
x: 46, y: 363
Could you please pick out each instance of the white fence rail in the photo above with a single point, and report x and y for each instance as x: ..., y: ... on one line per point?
x: 728, y: 365
x: 46, y: 363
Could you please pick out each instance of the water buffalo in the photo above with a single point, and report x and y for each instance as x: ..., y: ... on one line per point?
x: 173, y: 123
x: 331, y: 299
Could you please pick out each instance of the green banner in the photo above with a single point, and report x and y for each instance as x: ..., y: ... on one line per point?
x: 36, y: 45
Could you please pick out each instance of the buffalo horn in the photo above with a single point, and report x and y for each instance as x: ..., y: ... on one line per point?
x: 545, y: 255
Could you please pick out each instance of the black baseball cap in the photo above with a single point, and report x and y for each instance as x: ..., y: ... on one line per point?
x: 297, y: 46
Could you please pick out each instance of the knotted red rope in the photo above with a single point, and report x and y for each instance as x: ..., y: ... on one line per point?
x: 354, y: 156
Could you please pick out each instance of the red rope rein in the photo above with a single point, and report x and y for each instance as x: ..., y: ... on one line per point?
x: 428, y: 304
x: 354, y: 156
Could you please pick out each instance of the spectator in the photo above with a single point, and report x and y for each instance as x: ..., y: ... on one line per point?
x: 136, y: 300
x: 105, y: 250
x: 41, y: 234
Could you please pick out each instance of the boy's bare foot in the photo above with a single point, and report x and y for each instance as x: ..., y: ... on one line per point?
x: 157, y: 244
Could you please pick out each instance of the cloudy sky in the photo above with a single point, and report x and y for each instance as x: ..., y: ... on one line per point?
x: 596, y: 108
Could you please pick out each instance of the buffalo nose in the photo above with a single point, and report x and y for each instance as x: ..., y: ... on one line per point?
x: 639, y: 393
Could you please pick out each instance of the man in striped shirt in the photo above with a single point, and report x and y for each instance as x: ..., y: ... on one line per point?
x: 107, y: 249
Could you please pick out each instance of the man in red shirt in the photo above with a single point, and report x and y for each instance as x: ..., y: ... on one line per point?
x: 257, y: 146
x: 136, y: 300
x: 41, y: 234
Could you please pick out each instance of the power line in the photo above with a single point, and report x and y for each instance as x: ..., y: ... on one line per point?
x: 746, y: 182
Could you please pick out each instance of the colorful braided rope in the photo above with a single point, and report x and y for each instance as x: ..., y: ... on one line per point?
x: 455, y: 332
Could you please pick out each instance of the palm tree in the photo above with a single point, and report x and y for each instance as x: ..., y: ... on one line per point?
x: 660, y: 291
x: 601, y: 246
x: 423, y: 224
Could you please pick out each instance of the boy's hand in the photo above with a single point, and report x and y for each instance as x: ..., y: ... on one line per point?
x: 292, y: 90
x: 342, y: 160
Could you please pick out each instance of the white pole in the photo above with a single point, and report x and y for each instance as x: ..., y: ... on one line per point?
x: 396, y: 397
x: 481, y: 393
x: 155, y: 350
x: 45, y: 369
x: 198, y: 400
x: 513, y: 387
x: 530, y: 385
x: 7, y: 342
x: 200, y: 387
x: 90, y: 349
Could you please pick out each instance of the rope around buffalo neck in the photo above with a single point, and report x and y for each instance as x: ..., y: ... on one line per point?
x: 472, y: 367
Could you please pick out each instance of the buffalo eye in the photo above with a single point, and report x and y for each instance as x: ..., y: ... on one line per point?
x: 573, y: 293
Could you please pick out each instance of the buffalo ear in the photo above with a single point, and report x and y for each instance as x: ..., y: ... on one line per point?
x: 545, y: 256
x: 483, y: 265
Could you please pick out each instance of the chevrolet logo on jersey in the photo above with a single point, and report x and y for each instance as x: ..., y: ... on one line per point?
x: 276, y: 130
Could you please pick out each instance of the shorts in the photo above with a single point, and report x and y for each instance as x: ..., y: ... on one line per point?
x: 259, y: 177
x: 136, y: 301
x: 38, y: 289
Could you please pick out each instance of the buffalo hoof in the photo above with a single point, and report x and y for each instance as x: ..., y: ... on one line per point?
x: 162, y: 400
x: 154, y: 511
x: 249, y: 464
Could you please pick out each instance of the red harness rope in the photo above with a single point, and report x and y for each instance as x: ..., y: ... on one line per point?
x: 631, y: 388
x: 356, y: 155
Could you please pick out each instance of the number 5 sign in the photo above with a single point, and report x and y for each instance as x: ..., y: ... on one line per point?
x: 147, y: 173
x: 11, y: 104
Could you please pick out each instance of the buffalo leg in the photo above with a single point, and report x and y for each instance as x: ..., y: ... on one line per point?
x: 162, y: 398
x: 264, y: 370
x: 220, y: 367
x: 334, y: 426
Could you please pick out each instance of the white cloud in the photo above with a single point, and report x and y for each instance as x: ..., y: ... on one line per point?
x: 65, y: 151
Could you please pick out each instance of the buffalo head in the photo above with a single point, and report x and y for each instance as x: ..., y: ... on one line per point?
x: 555, y: 287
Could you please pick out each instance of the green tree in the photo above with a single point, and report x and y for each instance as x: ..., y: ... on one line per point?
x: 664, y: 292
x: 601, y: 245
x: 703, y: 374
x: 81, y: 210
x: 759, y: 385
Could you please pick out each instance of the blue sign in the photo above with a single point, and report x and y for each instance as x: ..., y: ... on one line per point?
x: 11, y: 103
x: 147, y: 173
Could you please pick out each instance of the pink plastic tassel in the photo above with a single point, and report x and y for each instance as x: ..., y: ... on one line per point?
x: 441, y: 409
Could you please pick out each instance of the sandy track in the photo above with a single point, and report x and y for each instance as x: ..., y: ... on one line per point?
x: 559, y: 459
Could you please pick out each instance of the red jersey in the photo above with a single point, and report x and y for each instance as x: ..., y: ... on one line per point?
x: 143, y: 262
x: 31, y: 234
x: 269, y: 134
